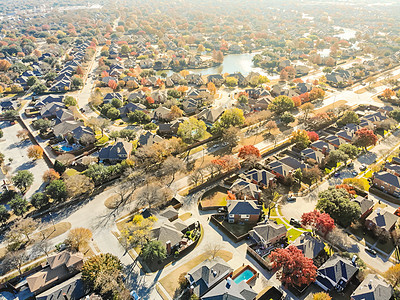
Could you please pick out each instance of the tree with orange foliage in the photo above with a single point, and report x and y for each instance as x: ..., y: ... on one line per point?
x: 184, y: 73
x: 231, y: 196
x: 296, y: 101
x: 112, y: 84
x: 321, y: 222
x: 35, y: 152
x: 347, y: 187
x: 388, y: 93
x: 4, y: 65
x: 211, y: 88
x: 79, y: 71
x: 50, y: 175
x: 182, y: 89
x: 317, y: 93
x: 249, y: 150
x: 104, y: 74
x: 149, y: 100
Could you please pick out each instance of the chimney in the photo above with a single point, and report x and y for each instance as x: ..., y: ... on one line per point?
x: 378, y: 211
x: 325, y: 150
x: 228, y: 282
x: 370, y: 284
x: 168, y: 246
x: 270, y: 182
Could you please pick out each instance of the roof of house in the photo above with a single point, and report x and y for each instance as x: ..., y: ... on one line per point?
x: 230, y: 290
x: 167, y: 232
x: 334, y: 269
x: 365, y: 203
x: 292, y: 162
x: 72, y: 288
x: 169, y: 212
x: 119, y: 150
x: 49, y: 109
x: 149, y: 138
x: 260, y: 176
x: 269, y: 230
x: 76, y: 128
x: 388, y: 178
x: 346, y: 134
x: 312, y: 154
x: 373, y: 288
x: 245, y: 187
x: 392, y: 167
x: 280, y: 168
x: 211, y: 114
x: 243, y: 207
x: 57, y: 268
x: 321, y: 144
x: 335, y: 140
x: 207, y: 274
x: 110, y: 96
x: 382, y: 218
x: 310, y: 246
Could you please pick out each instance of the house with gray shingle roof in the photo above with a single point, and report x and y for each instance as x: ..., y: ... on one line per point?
x: 335, y: 273
x: 117, y: 152
x: 268, y: 233
x: 247, y: 211
x: 149, y: 138
x: 229, y: 289
x: 207, y: 275
x: 366, y: 205
x: 381, y: 218
x: 243, y: 188
x: 387, y: 182
x: 373, y: 287
x: 261, y: 177
x: 309, y: 153
x: 310, y: 246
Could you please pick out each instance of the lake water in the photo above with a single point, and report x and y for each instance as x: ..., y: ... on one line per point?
x: 233, y: 63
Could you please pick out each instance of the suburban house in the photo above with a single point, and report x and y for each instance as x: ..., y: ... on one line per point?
x: 268, y: 233
x: 149, y: 138
x: 392, y: 168
x: 168, y: 234
x: 161, y: 113
x: 381, y: 218
x: 71, y: 289
x: 311, y: 154
x: 57, y: 269
x: 210, y: 115
x: 261, y: 177
x: 49, y: 110
x: 247, y: 211
x: 243, y: 188
x: 260, y: 104
x: 117, y: 152
x: 309, y: 245
x: 347, y: 135
x: 387, y: 182
x: 322, y: 146
x: 229, y: 289
x: 169, y: 213
x: 217, y: 79
x: 373, y: 287
x: 335, y: 273
x: 191, y: 106
x: 207, y: 275
x: 335, y: 140
x: 75, y: 129
x: 109, y: 96
x: 131, y: 107
x: 366, y: 206
x: 279, y: 169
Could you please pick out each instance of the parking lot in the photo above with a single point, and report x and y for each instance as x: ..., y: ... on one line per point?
x: 14, y: 149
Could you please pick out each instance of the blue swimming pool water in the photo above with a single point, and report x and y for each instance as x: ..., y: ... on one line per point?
x: 246, y: 275
x: 66, y: 148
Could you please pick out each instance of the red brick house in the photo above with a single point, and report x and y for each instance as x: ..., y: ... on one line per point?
x: 243, y: 211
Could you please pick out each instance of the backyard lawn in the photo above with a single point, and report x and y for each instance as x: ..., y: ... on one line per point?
x: 214, y: 197
x: 170, y: 282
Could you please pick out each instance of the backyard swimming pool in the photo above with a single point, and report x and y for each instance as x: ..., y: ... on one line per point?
x: 66, y: 148
x: 246, y: 275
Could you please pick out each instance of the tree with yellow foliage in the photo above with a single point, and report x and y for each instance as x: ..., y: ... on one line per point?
x: 321, y: 296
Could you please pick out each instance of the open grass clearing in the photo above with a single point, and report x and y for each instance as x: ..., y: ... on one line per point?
x: 185, y: 216
x: 52, y: 231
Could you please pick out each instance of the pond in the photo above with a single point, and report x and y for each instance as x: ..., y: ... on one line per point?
x: 232, y: 63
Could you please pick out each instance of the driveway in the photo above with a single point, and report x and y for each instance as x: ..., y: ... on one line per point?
x: 14, y: 149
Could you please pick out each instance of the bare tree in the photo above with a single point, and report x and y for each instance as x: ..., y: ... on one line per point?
x: 43, y: 246
x: 78, y: 184
x: 66, y: 159
x: 171, y: 166
x: 152, y: 193
x: 14, y: 260
x: 25, y: 227
x: 213, y: 249
x: 338, y: 238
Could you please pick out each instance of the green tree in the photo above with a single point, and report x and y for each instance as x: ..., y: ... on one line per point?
x: 128, y: 134
x: 76, y: 82
x: 70, y: 101
x: 39, y: 200
x: 42, y: 124
x: 19, y: 205
x: 191, y: 130
x: 39, y: 88
x: 351, y: 150
x: 57, y: 190
x: 1, y: 133
x: 32, y: 80
x: 243, y: 99
x: 395, y: 114
x: 300, y: 138
x: 4, y: 214
x: 116, y: 103
x: 287, y: 118
x: 337, y: 203
x: 281, y: 104
x: 336, y: 156
x: 138, y: 116
x: 113, y: 113
x: 232, y: 117
x: 114, y: 135
x: 349, y: 117
x: 154, y: 251
x: 23, y: 180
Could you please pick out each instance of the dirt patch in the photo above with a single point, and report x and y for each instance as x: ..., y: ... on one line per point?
x: 330, y: 106
x: 185, y: 216
x: 170, y: 282
x: 112, y: 201
x: 214, y: 198
x: 52, y: 231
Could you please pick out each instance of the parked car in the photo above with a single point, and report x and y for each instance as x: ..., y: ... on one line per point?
x: 337, y: 174
x: 370, y: 250
x: 295, y: 222
x: 291, y: 199
x: 354, y: 173
x: 134, y: 295
x: 350, y: 165
x: 363, y: 167
x: 221, y: 209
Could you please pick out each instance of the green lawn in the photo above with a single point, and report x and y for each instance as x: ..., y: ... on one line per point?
x: 71, y: 172
x: 362, y: 233
x: 272, y: 213
x: 293, y: 234
x: 387, y: 248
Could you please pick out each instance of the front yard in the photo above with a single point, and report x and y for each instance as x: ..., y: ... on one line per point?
x: 214, y: 197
